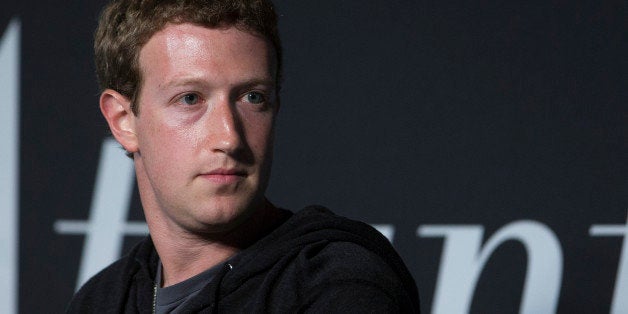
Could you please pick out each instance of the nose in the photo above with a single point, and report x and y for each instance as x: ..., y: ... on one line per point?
x: 226, y: 128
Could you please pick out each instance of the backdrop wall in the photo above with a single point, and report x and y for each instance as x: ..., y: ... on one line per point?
x: 488, y: 141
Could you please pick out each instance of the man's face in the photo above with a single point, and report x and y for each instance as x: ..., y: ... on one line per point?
x: 205, y: 126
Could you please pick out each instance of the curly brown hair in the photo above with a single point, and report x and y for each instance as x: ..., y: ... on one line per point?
x: 126, y: 25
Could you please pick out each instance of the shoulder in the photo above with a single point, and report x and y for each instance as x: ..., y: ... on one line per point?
x: 344, y: 276
x: 99, y: 289
x: 346, y: 265
x: 107, y: 290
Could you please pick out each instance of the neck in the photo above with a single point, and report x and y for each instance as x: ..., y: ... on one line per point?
x: 184, y: 254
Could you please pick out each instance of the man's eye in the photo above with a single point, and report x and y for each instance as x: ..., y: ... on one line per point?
x: 190, y: 99
x: 255, y: 97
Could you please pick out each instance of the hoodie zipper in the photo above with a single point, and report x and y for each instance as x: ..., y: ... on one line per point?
x: 154, y: 297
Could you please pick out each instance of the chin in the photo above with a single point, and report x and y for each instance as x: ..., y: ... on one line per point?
x: 224, y: 216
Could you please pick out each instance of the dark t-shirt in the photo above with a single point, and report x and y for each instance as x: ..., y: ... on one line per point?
x: 173, y: 298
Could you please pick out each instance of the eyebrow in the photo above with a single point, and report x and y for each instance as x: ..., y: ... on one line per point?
x: 255, y: 81
x: 186, y: 81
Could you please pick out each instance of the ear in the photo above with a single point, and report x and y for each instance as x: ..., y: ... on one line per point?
x: 117, y: 111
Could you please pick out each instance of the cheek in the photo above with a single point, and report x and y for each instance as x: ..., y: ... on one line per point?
x: 163, y: 142
x: 188, y: 138
x: 259, y: 136
x: 167, y: 158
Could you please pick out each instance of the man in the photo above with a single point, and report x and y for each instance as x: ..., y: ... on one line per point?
x: 190, y: 90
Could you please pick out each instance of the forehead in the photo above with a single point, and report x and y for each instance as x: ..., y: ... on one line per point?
x: 187, y: 46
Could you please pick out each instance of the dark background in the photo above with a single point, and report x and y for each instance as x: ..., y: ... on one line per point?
x: 397, y: 112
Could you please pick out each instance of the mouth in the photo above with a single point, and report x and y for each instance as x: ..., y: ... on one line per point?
x: 224, y: 176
